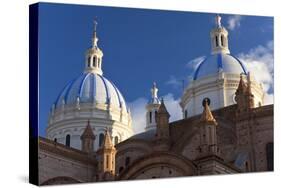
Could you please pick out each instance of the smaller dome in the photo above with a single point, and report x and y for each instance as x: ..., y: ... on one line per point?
x: 90, y: 87
x: 219, y: 62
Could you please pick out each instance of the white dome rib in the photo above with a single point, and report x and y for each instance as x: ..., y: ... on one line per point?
x: 90, y: 87
x: 219, y: 62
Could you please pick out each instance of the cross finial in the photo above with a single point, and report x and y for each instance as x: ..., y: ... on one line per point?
x: 218, y: 20
x: 95, y: 24
x: 95, y: 38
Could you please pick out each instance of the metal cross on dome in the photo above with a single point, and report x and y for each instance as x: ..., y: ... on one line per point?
x: 95, y: 24
x: 218, y: 20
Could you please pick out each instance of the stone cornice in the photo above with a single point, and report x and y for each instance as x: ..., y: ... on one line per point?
x: 60, y: 113
x: 66, y: 152
x: 62, y: 123
x: 217, y: 159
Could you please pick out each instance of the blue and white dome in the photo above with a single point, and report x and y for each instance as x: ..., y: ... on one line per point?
x: 89, y: 98
x: 89, y: 88
x: 217, y: 77
x: 219, y: 62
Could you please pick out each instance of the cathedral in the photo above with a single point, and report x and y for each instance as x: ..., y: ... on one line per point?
x: 225, y: 127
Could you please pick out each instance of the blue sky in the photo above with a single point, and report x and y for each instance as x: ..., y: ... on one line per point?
x: 140, y: 46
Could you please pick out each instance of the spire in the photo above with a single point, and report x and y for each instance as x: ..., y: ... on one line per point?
x: 87, y: 139
x: 207, y: 132
x: 88, y: 132
x: 243, y: 95
x: 242, y: 85
x: 219, y: 37
x: 106, y: 159
x: 162, y: 109
x: 162, y: 120
x: 95, y: 38
x: 107, y: 140
x: 94, y: 55
x: 207, y: 115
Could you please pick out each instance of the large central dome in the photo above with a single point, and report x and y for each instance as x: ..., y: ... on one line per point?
x: 219, y: 62
x: 91, y: 88
x: 89, y: 98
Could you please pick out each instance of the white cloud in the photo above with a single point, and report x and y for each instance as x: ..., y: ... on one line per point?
x: 173, y: 107
x: 194, y: 63
x: 174, y: 81
x: 234, y: 22
x: 191, y: 66
x: 260, y: 62
x: 138, y: 111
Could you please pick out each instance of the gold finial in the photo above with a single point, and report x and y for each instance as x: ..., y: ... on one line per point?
x: 207, y: 115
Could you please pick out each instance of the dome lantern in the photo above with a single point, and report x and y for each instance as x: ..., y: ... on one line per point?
x: 152, y: 108
x: 93, y: 62
x: 219, y: 38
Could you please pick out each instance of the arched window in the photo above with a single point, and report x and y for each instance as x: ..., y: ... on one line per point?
x: 222, y: 40
x: 89, y: 61
x: 150, y: 117
x: 269, y: 156
x: 127, y: 161
x: 217, y: 42
x: 185, y: 114
x: 94, y: 61
x: 116, y: 140
x: 67, y: 140
x: 101, y: 138
x: 55, y: 140
x: 107, y: 161
x: 206, y: 100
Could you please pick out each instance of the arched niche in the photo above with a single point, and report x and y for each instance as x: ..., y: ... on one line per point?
x: 159, y: 165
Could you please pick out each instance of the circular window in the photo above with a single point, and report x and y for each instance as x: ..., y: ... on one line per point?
x: 206, y: 100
